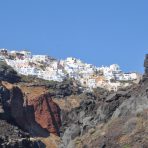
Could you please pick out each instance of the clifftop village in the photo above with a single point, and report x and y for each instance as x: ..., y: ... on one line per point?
x: 48, y: 68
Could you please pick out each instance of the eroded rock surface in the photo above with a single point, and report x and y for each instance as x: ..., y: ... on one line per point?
x: 110, y: 120
x: 13, y: 137
x: 40, y: 116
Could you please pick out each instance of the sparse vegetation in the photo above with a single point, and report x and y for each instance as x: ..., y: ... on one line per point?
x: 126, y: 146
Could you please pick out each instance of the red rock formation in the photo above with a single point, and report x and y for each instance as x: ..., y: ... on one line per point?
x: 47, y: 113
x: 39, y: 116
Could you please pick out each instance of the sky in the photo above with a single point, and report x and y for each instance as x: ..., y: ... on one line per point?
x: 99, y: 32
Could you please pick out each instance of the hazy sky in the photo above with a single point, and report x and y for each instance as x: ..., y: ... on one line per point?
x: 100, y: 32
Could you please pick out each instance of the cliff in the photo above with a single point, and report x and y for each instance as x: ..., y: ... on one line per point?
x: 40, y: 116
x: 146, y: 65
x: 13, y: 137
x: 109, y: 120
x: 46, y: 110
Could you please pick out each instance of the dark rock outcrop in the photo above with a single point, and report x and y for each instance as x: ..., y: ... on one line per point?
x: 96, y: 110
x: 146, y: 65
x: 64, y: 88
x: 13, y: 137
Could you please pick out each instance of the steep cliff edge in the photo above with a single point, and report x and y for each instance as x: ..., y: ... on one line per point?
x: 40, y: 116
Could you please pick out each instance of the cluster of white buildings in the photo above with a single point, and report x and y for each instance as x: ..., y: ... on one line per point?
x: 49, y: 68
x: 114, y: 72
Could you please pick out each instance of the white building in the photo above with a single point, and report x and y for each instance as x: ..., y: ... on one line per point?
x: 27, y: 54
x: 40, y: 58
x: 88, y: 75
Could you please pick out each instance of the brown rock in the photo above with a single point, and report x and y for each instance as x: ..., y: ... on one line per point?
x: 47, y: 113
x: 40, y: 116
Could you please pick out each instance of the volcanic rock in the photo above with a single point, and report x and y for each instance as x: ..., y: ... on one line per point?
x: 13, y: 137
x: 40, y: 116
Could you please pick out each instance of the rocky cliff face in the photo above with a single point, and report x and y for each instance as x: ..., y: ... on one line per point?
x: 94, y: 109
x: 13, y: 137
x: 109, y: 120
x: 10, y: 134
x: 146, y: 65
x: 86, y: 119
x: 47, y: 113
x: 39, y: 116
